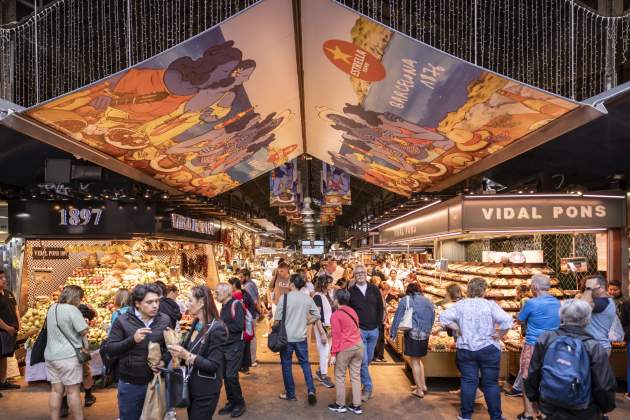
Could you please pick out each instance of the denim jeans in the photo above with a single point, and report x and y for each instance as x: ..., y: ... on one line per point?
x: 286, y: 355
x: 369, y: 337
x: 130, y: 400
x: 486, y: 361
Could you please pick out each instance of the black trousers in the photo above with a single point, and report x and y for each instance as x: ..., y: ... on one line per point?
x: 233, y: 358
x: 204, y: 397
x: 379, y: 350
x: 247, y: 355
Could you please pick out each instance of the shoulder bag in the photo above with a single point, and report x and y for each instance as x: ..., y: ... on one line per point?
x: 82, y: 355
x: 177, y: 389
x: 277, y: 340
x: 406, y: 324
x: 39, y: 347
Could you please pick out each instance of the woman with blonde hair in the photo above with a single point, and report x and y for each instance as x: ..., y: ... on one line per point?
x: 66, y: 331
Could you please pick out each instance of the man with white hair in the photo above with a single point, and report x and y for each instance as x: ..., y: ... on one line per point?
x: 540, y: 314
x: 604, y: 309
x: 569, y: 374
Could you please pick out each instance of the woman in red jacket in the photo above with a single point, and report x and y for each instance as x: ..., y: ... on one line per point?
x: 347, y: 353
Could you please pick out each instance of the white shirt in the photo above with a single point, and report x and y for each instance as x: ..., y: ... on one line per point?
x: 396, y: 284
x: 139, y: 315
x: 308, y: 288
x: 478, y: 320
x: 362, y: 288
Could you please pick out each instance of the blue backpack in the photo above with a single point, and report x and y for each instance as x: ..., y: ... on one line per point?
x: 566, y: 374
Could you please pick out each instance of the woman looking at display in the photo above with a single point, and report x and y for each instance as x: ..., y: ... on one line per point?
x: 66, y: 331
x: 202, y: 353
x: 121, y: 305
x: 417, y: 338
x: 324, y: 302
x: 347, y: 353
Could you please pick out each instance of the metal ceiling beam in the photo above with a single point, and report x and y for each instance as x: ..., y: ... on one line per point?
x: 51, y: 137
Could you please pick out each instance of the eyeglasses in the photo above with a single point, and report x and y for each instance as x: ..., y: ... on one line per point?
x: 360, y: 273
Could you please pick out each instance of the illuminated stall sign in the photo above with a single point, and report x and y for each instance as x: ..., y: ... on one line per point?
x: 204, y: 227
x: 83, y: 218
x: 49, y: 253
x: 509, y: 214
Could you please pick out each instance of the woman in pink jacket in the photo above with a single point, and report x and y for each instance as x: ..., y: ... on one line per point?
x: 347, y: 353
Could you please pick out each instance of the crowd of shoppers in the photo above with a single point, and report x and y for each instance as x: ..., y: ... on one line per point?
x: 348, y: 318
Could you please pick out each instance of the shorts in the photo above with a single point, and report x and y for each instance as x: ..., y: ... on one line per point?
x: 526, y: 358
x: 65, y: 371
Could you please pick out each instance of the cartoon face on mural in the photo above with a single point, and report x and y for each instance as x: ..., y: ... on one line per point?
x: 185, y: 116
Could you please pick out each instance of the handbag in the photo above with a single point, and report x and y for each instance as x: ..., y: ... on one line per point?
x: 7, y: 344
x: 39, y: 347
x: 177, y: 391
x: 277, y: 340
x: 406, y: 323
x: 82, y: 355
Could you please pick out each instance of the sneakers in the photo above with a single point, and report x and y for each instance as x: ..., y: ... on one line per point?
x: 89, y: 400
x: 227, y: 409
x: 514, y: 393
x: 8, y: 385
x: 254, y: 364
x: 356, y: 409
x: 312, y: 399
x: 324, y: 379
x: 627, y: 395
x: 337, y: 408
x: 285, y: 397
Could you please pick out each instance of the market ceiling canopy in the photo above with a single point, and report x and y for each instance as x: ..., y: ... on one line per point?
x: 223, y: 107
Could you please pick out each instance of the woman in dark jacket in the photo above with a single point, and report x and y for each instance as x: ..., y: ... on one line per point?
x: 202, y: 353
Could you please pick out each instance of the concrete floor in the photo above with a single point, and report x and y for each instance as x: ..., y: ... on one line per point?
x: 391, y: 400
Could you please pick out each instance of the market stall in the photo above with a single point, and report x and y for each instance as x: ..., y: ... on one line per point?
x: 507, y: 239
x: 103, y: 248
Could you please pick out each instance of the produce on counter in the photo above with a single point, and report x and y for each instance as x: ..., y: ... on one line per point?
x: 100, y: 284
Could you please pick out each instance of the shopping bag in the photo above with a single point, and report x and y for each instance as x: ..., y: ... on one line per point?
x: 616, y: 332
x: 154, y: 407
x: 406, y: 323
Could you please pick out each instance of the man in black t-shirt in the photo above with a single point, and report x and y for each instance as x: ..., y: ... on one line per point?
x: 8, y: 323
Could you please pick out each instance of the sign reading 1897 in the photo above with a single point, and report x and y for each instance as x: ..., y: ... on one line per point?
x: 80, y: 217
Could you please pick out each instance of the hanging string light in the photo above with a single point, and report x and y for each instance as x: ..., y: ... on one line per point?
x: 558, y: 45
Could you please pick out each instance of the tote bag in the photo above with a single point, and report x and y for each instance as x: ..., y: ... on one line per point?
x: 406, y: 323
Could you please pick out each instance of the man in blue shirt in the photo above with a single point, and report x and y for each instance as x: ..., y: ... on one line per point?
x: 541, y: 313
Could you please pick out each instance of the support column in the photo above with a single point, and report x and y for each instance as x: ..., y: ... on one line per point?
x: 617, y: 267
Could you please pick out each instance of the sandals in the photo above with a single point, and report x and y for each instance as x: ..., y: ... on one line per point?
x: 415, y: 394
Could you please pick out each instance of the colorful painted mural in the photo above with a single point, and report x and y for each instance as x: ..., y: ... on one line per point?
x: 400, y: 114
x: 214, y: 112
x: 335, y: 186
x: 283, y: 182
